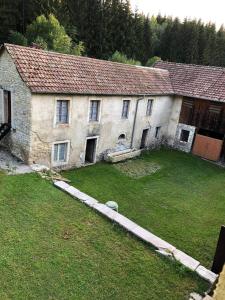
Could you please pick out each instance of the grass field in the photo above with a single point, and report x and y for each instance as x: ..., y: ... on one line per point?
x: 53, y: 247
x: 175, y: 195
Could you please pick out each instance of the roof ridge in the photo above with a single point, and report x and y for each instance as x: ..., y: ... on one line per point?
x: 77, y: 56
x: 185, y: 64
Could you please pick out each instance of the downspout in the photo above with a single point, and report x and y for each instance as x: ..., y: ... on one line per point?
x: 135, y: 120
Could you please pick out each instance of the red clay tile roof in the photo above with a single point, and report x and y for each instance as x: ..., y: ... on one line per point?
x: 50, y: 72
x: 204, y: 82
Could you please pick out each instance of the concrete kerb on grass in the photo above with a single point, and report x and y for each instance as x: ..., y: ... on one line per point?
x: 162, y: 246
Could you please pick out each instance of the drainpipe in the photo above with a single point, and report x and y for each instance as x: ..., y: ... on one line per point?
x: 135, y: 120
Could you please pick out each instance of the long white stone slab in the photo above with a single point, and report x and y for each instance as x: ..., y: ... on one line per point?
x: 152, y: 239
x: 206, y: 274
x: 139, y: 231
x: 186, y: 260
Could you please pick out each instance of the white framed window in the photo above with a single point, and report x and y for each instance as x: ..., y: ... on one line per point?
x: 60, y: 153
x: 149, y: 107
x: 62, y: 111
x: 157, y: 132
x: 125, y: 110
x: 94, y: 110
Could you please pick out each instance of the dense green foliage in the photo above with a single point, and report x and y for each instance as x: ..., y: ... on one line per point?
x: 49, y: 35
x: 107, y: 26
x: 183, y: 202
x: 122, y: 58
x: 53, y: 247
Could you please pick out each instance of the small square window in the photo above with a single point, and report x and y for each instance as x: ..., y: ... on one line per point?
x: 94, y: 110
x: 125, y: 111
x: 149, y: 107
x: 62, y: 112
x: 157, y: 132
x: 184, y: 136
x: 60, y: 152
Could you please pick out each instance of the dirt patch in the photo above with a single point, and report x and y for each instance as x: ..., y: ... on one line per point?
x: 137, y: 168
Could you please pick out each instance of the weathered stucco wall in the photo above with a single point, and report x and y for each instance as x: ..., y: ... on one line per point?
x: 18, y: 140
x: 110, y: 126
x: 174, y: 119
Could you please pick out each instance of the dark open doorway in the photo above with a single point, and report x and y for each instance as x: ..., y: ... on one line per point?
x: 144, y: 138
x: 90, y: 150
x: 7, y: 108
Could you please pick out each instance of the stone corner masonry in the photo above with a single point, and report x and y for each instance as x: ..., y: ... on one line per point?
x: 139, y: 232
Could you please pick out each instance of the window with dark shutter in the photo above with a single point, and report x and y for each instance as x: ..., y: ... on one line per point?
x: 62, y: 112
x: 125, y: 111
x: 94, y: 110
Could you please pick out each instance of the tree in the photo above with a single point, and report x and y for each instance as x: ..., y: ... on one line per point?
x: 147, y: 41
x: 49, y: 32
x: 9, y: 12
x: 151, y: 61
x: 209, y: 50
x: 17, y: 38
x: 122, y: 58
x: 219, y: 58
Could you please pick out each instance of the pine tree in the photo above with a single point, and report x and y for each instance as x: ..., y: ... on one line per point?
x: 219, y: 59
x: 147, y: 41
x: 209, y: 50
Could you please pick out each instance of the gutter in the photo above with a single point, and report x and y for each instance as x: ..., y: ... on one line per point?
x: 135, y: 120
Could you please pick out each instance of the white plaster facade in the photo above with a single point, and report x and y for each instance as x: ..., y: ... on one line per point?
x: 45, y: 133
x: 34, y: 130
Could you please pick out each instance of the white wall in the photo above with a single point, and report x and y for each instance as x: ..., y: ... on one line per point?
x: 108, y: 129
x: 174, y: 119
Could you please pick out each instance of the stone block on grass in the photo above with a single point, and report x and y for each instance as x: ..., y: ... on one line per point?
x: 186, y: 260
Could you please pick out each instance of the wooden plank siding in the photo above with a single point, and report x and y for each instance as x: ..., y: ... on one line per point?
x: 203, y: 114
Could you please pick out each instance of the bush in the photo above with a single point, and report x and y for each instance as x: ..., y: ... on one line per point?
x: 122, y: 58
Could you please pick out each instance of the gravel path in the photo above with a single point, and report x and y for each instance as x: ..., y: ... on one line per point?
x: 11, y: 164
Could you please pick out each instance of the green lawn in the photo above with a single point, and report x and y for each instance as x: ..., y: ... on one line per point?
x: 183, y: 202
x: 53, y: 247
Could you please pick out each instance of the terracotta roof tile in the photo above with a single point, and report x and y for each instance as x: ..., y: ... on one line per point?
x: 196, y: 81
x: 51, y: 72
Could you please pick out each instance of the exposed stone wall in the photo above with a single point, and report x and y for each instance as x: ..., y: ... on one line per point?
x: 44, y: 131
x: 18, y: 140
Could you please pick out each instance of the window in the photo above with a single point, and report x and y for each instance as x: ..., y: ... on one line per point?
x: 60, y: 152
x: 62, y: 112
x: 94, y: 110
x: 184, y: 136
x: 157, y: 131
x: 122, y: 137
x: 149, y: 108
x: 125, y: 111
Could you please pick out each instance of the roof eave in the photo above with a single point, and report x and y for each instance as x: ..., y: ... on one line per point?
x: 100, y: 94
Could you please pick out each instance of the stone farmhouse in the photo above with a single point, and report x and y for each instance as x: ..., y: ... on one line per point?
x: 67, y: 111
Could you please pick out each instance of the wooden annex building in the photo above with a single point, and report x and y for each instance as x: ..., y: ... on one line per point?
x: 203, y: 106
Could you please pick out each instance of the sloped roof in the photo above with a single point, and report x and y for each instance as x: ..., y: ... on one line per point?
x: 51, y: 72
x: 204, y: 82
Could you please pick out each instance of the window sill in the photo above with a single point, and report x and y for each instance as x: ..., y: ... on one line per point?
x: 183, y: 142
x: 59, y: 164
x: 94, y: 122
x: 62, y: 125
